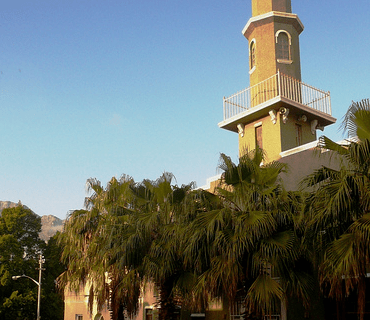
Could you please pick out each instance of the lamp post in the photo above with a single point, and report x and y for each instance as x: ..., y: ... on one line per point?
x: 41, y: 261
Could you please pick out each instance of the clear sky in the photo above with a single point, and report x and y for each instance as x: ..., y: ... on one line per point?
x: 93, y: 88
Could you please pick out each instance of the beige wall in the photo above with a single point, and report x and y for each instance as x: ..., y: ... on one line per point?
x: 77, y: 304
x: 301, y: 164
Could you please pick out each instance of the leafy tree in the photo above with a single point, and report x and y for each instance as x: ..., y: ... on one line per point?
x: 340, y: 210
x: 19, y: 248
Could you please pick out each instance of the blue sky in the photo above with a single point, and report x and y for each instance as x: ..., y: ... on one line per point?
x: 102, y: 88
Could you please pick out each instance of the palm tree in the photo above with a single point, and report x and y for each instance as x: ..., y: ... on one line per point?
x: 356, y: 120
x: 340, y: 209
x: 244, y: 240
x: 166, y: 223
x: 89, y: 243
x: 128, y: 235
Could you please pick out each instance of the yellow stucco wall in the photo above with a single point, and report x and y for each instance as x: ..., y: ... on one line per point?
x: 276, y: 137
x: 292, y: 69
x: 267, y: 65
x: 288, y: 133
x: 264, y: 6
x: 262, y: 31
x: 264, y: 37
x: 271, y: 139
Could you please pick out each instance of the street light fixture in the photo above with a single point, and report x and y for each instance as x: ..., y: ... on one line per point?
x: 41, y: 261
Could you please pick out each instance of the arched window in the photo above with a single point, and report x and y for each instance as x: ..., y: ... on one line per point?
x: 283, y: 42
x: 252, y: 54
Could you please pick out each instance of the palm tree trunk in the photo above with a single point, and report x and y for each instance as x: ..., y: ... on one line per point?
x: 361, y: 299
x: 167, y: 302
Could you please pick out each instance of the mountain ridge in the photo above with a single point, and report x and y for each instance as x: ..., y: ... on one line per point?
x: 50, y: 224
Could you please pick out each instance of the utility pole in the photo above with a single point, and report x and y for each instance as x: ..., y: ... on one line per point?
x: 41, y: 261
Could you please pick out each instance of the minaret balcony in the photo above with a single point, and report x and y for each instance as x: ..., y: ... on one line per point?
x: 278, y: 91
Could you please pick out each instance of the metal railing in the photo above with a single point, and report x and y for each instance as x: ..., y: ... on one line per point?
x: 279, y: 85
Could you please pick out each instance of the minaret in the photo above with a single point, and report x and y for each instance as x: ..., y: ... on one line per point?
x: 278, y: 111
x: 273, y: 34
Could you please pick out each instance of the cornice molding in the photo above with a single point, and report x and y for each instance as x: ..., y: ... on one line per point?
x: 273, y: 14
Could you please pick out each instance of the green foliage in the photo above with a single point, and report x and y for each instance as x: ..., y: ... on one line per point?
x: 123, y: 232
x: 339, y: 208
x: 195, y: 246
x: 356, y: 120
x: 192, y: 245
x: 246, y: 238
x: 19, y: 306
x: 52, y: 300
x: 20, y: 246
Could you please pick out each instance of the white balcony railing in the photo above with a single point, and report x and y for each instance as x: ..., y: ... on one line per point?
x: 279, y: 85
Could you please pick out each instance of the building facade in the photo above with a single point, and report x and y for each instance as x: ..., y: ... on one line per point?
x: 278, y: 113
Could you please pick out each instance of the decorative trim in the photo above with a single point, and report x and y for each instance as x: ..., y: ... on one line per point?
x: 283, y: 31
x: 241, y: 127
x: 314, y: 124
x: 303, y: 147
x: 302, y: 118
x: 272, y: 114
x: 284, y: 112
x: 273, y: 14
x: 252, y: 70
x: 284, y: 61
x: 254, y: 44
x: 209, y: 180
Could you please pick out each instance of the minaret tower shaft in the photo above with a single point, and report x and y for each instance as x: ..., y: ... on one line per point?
x: 273, y: 35
x: 265, y: 6
x: 278, y: 112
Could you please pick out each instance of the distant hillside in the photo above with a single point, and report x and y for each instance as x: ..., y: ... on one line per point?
x: 50, y: 225
x: 8, y: 204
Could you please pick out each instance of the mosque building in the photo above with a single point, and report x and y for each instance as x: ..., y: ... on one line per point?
x: 277, y: 112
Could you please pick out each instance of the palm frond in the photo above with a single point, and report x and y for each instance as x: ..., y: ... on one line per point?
x: 263, y: 294
x: 356, y: 120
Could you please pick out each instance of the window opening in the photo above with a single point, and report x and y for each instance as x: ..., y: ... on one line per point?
x: 148, y: 314
x: 237, y: 310
x: 258, y: 135
x: 252, y: 53
x: 283, y: 46
x: 298, y: 134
